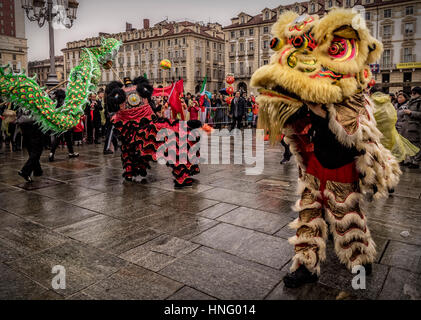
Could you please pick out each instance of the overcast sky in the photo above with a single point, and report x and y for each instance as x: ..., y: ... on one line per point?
x: 96, y: 16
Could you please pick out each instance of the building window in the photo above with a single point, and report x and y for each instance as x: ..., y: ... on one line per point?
x: 409, y: 28
x: 387, y: 13
x: 242, y: 46
x: 251, y: 46
x: 241, y: 67
x: 232, y: 34
x: 14, y: 57
x: 348, y: 3
x: 265, y: 62
x: 266, y: 15
x: 312, y: 8
x: 232, y: 47
x: 329, y: 4
x: 387, y: 31
x: 407, y: 77
x: 368, y: 16
x: 242, y: 20
x: 386, y: 77
x: 386, y: 58
x: 169, y: 42
x: 251, y: 32
x: 241, y: 33
x: 265, y: 44
x: 266, y: 30
x: 407, y: 55
x: 409, y: 11
x: 232, y: 68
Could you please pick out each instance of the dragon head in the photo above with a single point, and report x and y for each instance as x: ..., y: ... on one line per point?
x: 317, y: 60
x: 108, y: 51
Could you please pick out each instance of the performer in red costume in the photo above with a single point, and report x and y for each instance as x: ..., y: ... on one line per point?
x: 140, y: 131
x: 312, y: 91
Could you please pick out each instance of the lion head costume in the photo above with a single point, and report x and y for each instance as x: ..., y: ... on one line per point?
x: 316, y: 60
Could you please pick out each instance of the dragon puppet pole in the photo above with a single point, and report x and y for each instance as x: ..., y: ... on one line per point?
x: 55, y: 87
x: 116, y: 74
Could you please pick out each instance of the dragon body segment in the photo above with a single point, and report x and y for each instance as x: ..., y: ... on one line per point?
x: 26, y: 94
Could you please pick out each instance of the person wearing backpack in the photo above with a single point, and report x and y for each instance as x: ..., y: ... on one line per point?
x: 411, y: 125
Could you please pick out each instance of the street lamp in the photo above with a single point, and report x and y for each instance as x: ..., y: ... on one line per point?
x: 41, y: 11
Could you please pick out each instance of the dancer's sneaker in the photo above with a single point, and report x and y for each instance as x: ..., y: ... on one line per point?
x: 73, y: 155
x: 284, y: 160
x: 26, y: 177
x: 51, y: 157
x: 299, y: 277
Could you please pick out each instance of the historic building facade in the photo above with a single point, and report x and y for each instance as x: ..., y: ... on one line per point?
x: 196, y: 50
x: 394, y: 22
x: 42, y: 69
x: 397, y: 24
x: 13, y: 44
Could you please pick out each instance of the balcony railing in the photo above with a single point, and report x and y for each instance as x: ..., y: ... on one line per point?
x: 387, y: 66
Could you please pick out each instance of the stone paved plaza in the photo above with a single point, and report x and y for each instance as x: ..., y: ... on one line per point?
x: 225, y: 238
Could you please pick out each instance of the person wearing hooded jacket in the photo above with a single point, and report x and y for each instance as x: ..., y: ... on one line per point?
x: 411, y: 125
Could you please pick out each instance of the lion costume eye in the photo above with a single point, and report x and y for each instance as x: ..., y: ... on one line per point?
x: 276, y: 44
x: 342, y: 49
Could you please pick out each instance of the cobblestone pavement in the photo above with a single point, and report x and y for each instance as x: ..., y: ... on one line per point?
x: 225, y: 238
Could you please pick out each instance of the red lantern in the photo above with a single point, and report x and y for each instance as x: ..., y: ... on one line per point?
x: 372, y: 83
x: 230, y: 79
x: 230, y: 90
x: 228, y: 100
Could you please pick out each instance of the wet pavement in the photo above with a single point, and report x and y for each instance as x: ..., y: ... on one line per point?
x: 225, y: 238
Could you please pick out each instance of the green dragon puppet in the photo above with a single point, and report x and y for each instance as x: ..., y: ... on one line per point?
x: 24, y: 92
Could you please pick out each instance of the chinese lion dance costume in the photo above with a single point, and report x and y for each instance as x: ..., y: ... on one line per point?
x: 143, y: 133
x: 312, y: 91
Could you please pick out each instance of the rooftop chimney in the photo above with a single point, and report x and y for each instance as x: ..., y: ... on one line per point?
x: 145, y: 23
x: 129, y: 26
